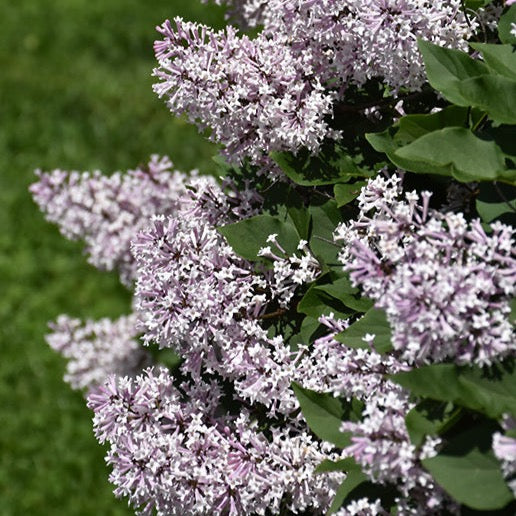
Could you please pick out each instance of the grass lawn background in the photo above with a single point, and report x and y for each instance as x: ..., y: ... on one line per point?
x: 75, y: 93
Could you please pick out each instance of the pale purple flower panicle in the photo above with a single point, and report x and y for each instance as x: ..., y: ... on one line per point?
x: 277, y: 91
x: 96, y: 349
x: 196, y: 296
x: 108, y: 211
x: 504, y: 447
x: 445, y: 284
x: 174, y: 451
x: 254, y: 96
x: 380, y: 440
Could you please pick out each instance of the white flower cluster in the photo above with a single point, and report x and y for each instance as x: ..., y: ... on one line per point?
x: 195, y: 295
x: 277, y: 91
x: 106, y: 212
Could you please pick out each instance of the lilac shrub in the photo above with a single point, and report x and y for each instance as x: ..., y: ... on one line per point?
x: 341, y: 325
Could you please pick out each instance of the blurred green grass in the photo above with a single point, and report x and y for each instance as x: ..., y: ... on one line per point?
x: 75, y: 93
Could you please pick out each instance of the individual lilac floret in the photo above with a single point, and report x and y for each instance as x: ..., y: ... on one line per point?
x: 254, y: 96
x: 289, y: 272
x: 174, y: 451
x: 445, y: 284
x: 195, y: 295
x: 504, y: 448
x: 97, y: 349
x: 107, y: 212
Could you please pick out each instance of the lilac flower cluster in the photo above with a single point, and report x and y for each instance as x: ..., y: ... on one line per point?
x: 380, y: 440
x: 254, y: 96
x: 277, y: 91
x: 289, y: 272
x: 107, y: 212
x: 445, y: 284
x: 174, y: 452
x: 96, y: 349
x: 195, y: 295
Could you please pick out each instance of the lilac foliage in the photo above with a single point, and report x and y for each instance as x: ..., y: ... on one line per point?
x: 445, y: 284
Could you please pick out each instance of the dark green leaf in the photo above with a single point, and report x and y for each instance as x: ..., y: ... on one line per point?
x: 476, y: 4
x: 323, y: 413
x: 325, y: 217
x: 505, y: 26
x: 316, y: 303
x: 373, y: 322
x: 331, y: 165
x: 345, y: 193
x: 492, y: 392
x: 352, y: 480
x: 467, y: 469
x: 456, y: 151
x: 412, y: 127
x: 248, y: 236
x: 500, y: 58
x: 429, y: 418
x: 492, y: 93
x: 327, y: 466
x: 342, y: 290
x: 446, y: 68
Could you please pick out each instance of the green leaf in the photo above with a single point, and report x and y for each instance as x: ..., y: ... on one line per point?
x: 468, y: 470
x: 492, y: 93
x: 331, y: 165
x: 328, y: 466
x: 505, y: 26
x: 373, y: 322
x: 352, y: 480
x: 345, y: 193
x: 446, y: 68
x: 316, y: 303
x: 323, y: 413
x: 458, y: 152
x: 500, y: 58
x: 411, y: 127
x: 429, y: 418
x: 325, y: 218
x: 476, y: 4
x: 491, y: 392
x: 248, y: 236
x: 342, y: 290
x: 490, y: 211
